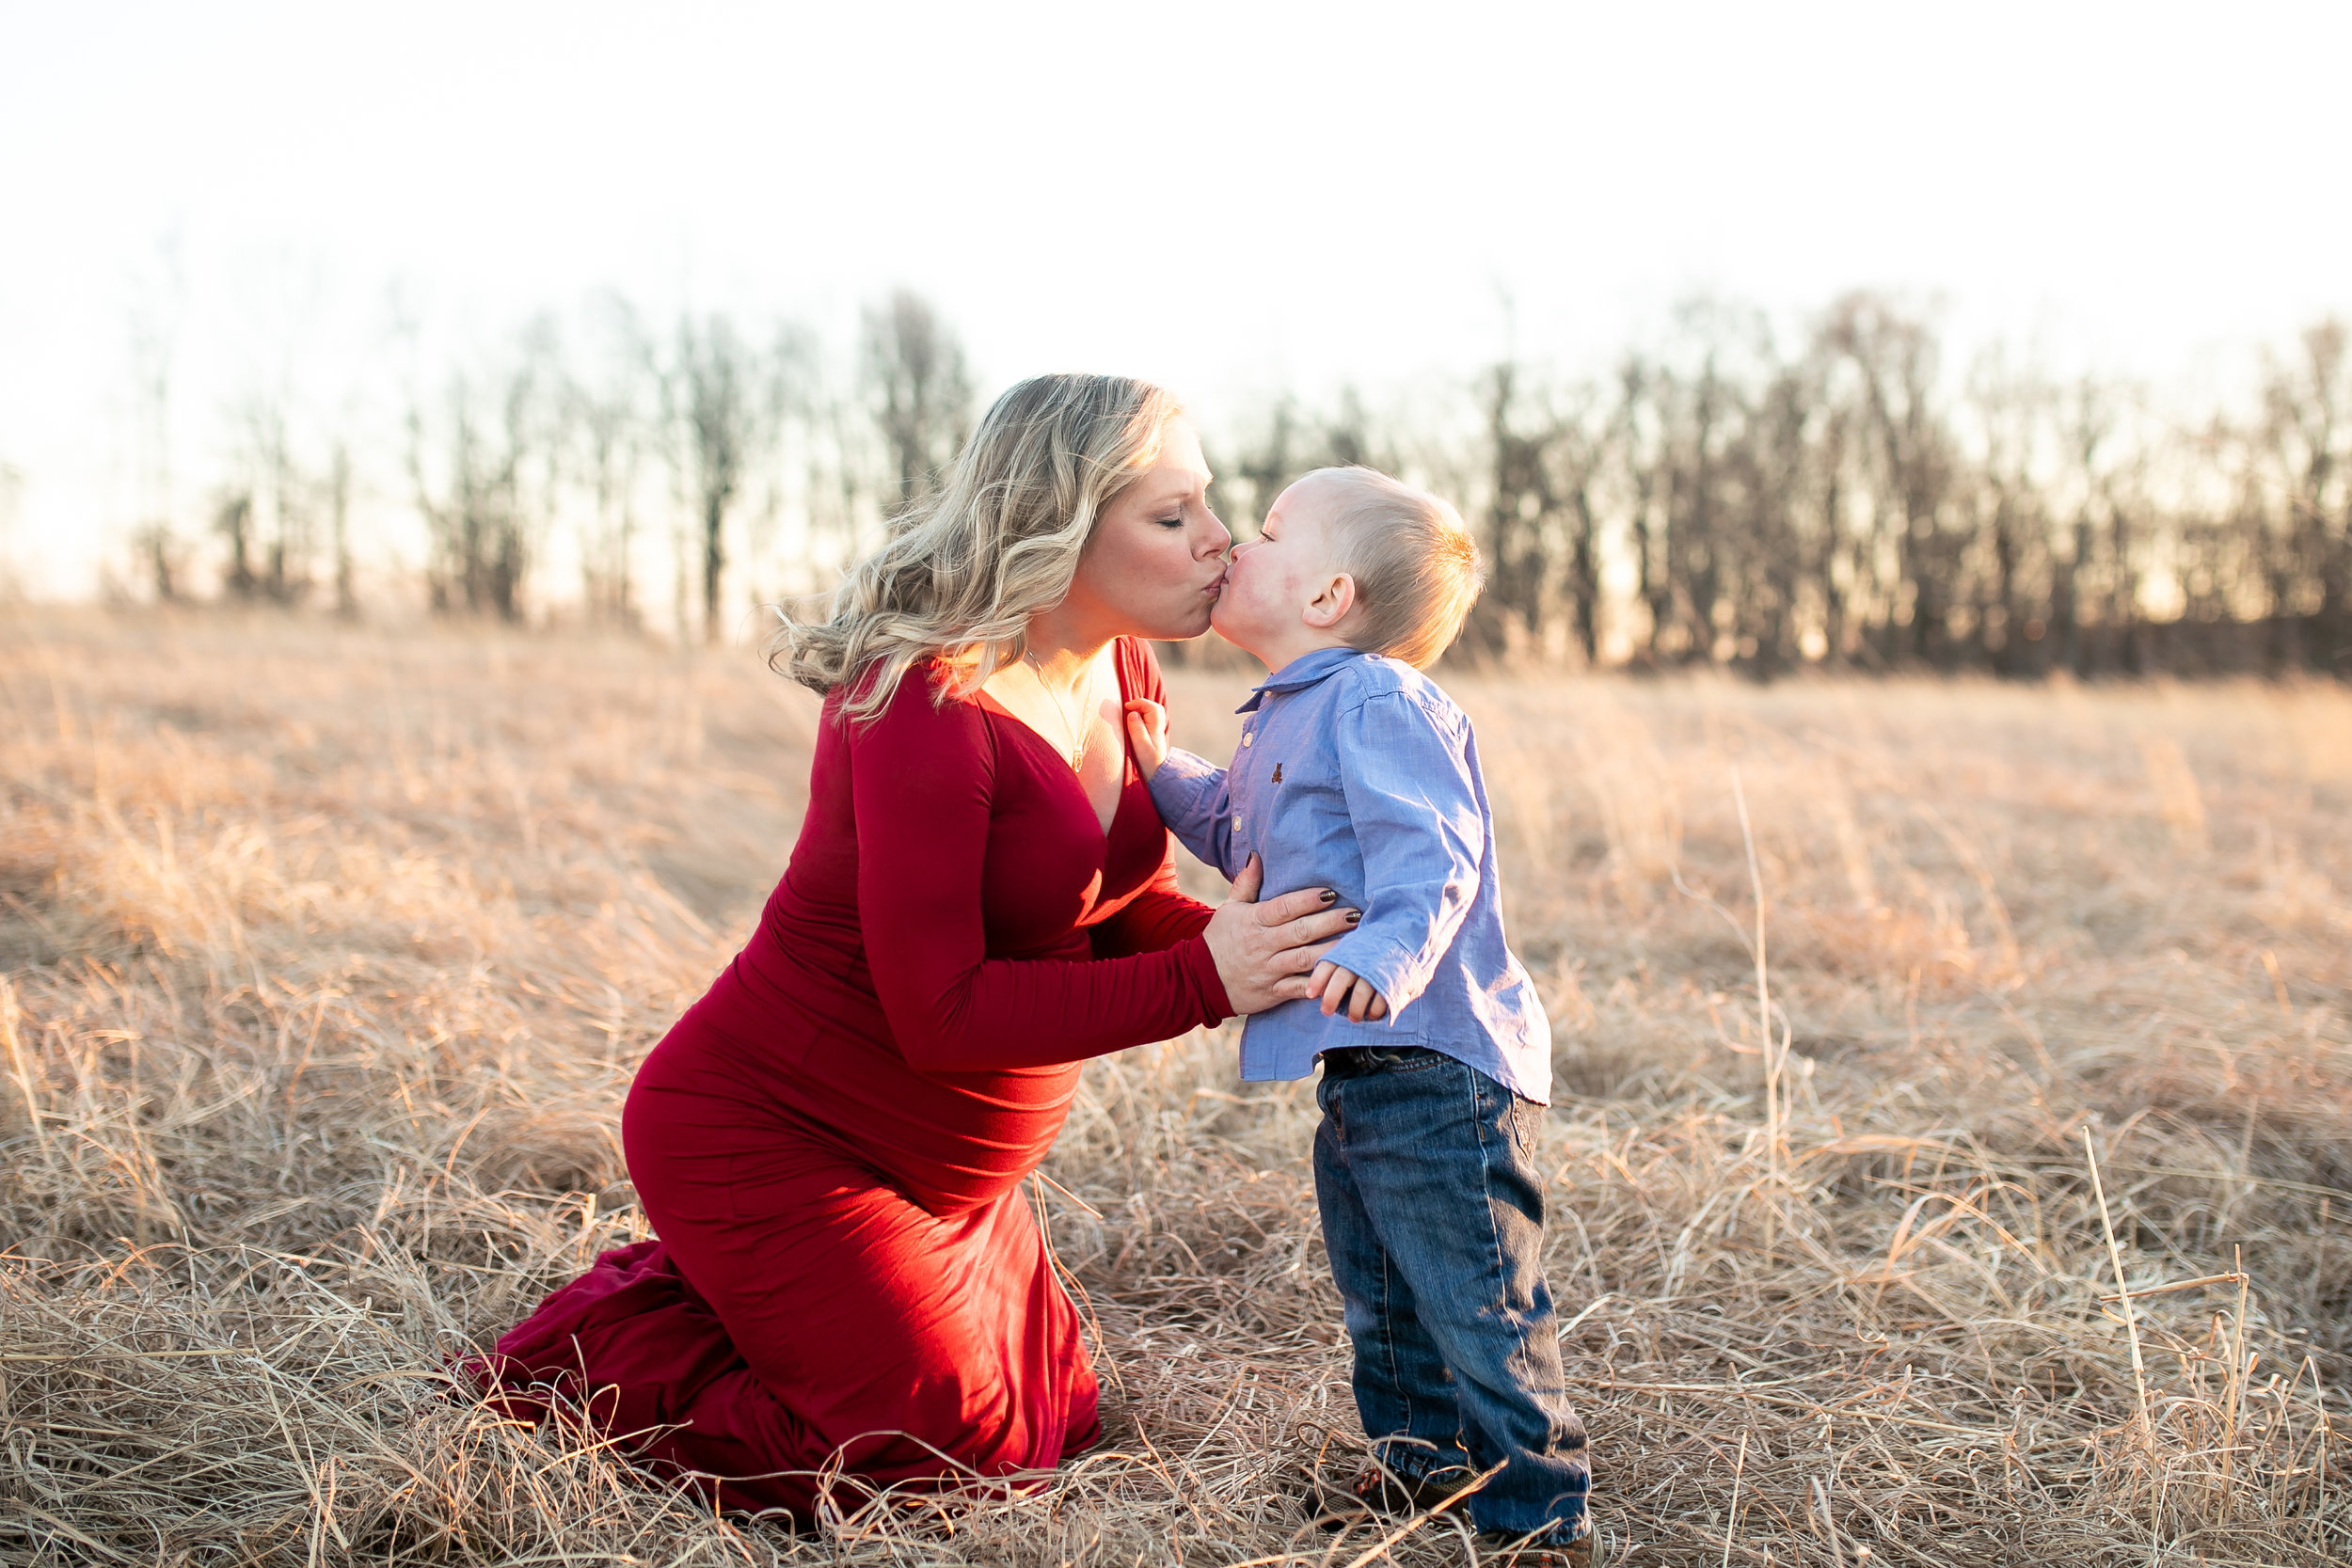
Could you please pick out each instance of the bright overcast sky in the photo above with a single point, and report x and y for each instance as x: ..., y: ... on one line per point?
x: 1226, y: 198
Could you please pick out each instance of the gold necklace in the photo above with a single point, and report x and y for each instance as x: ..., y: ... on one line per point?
x: 1079, y: 732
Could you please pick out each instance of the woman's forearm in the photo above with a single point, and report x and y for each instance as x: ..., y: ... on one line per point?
x: 1010, y: 1013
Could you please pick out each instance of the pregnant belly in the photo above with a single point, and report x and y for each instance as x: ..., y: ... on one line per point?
x: 749, y: 1088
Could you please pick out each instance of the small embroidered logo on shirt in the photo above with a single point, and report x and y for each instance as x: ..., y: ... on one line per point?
x: 1278, y: 772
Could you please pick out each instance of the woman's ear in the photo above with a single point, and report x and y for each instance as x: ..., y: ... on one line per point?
x: 1331, y: 603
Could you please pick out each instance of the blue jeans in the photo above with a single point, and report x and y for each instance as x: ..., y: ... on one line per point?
x: 1433, y: 1213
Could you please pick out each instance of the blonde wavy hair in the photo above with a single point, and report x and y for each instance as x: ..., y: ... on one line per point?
x: 966, y: 568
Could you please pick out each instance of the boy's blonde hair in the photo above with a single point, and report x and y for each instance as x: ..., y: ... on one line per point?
x: 1416, y: 567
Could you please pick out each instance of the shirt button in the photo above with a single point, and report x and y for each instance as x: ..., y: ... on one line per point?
x: 1246, y: 737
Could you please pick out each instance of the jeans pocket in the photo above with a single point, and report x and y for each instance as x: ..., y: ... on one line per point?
x: 1526, y: 1120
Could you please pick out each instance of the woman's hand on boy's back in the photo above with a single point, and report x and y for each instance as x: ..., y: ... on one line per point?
x: 1263, y: 952
x: 1147, y: 734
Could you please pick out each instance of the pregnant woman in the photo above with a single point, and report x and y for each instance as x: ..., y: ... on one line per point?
x: 847, y: 1280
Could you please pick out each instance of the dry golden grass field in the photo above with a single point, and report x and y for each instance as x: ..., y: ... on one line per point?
x: 327, y: 956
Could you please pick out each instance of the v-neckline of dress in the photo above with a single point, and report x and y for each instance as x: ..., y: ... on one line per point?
x: 1061, y: 758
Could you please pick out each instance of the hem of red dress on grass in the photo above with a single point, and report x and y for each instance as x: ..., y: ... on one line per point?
x: 539, y: 1374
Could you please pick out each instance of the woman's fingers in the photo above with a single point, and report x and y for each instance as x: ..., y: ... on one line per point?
x: 1300, y: 961
x: 1293, y: 967
x: 1326, y: 928
x: 1251, y: 879
x: 1290, y: 906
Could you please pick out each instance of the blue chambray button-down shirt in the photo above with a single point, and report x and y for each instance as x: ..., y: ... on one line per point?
x: 1355, y: 773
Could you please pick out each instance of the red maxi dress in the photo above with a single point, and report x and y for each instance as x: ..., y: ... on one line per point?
x: 847, y: 1278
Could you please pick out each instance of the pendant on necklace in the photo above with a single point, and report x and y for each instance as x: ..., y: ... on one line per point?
x: 1077, y: 752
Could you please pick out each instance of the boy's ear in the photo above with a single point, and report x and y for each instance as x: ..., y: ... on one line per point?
x: 1331, y: 603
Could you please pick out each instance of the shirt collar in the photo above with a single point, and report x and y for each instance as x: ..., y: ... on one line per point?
x: 1301, y: 673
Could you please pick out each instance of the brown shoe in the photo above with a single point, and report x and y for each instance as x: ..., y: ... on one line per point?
x: 1378, y: 1492
x: 1502, y: 1549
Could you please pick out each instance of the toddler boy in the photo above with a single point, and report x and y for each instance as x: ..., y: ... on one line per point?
x: 1356, y: 773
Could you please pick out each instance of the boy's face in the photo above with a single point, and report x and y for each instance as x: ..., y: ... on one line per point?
x: 1277, y: 576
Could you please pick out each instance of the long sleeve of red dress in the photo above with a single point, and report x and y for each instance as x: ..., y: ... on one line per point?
x: 1159, y: 916
x: 925, y: 787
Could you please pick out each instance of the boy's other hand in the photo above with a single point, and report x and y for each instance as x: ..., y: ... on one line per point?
x: 1339, y: 989
x: 1147, y: 732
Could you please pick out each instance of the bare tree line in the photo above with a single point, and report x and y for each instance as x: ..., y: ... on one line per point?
x: 609, y: 437
x: 1717, y: 501
x: 717, y: 430
x: 1713, y: 500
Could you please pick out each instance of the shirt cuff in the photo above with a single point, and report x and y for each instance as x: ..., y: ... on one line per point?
x: 1381, y: 960
x: 1179, y: 781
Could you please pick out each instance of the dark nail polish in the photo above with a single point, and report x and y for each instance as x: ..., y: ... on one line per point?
x: 1329, y: 897
x: 1353, y: 917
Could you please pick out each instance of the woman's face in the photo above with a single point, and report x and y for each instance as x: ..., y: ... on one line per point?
x: 1156, y: 559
